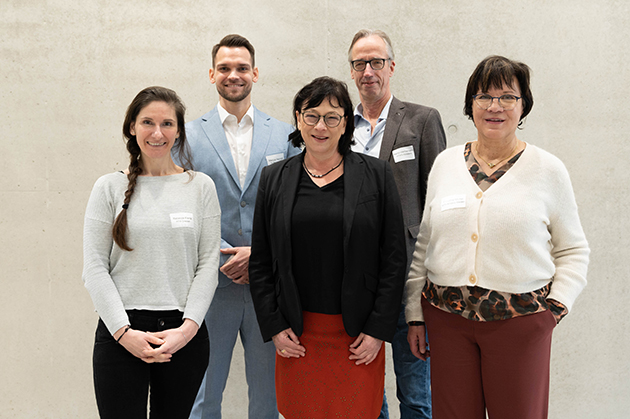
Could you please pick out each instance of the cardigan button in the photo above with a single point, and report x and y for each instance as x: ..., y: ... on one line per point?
x: 474, y: 238
x: 479, y: 195
x: 473, y: 279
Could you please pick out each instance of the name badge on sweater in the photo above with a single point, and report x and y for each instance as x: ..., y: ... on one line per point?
x: 403, y: 153
x: 273, y: 158
x: 453, y: 201
x: 181, y: 219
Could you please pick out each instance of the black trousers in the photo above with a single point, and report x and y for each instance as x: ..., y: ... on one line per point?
x: 123, y: 382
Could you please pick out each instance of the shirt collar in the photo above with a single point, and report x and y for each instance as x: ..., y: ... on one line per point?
x: 223, y: 115
x: 358, y: 111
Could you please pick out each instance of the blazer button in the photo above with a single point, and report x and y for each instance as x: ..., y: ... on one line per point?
x: 162, y: 323
x: 240, y: 232
x: 243, y: 204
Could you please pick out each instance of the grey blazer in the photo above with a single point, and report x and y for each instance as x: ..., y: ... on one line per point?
x: 418, y: 127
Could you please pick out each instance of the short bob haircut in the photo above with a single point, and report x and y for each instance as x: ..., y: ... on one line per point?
x: 495, y: 71
x: 312, y: 95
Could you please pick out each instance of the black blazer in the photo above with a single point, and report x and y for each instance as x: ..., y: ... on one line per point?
x: 373, y: 241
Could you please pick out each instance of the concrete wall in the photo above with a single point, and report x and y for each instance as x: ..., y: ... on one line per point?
x: 69, y: 69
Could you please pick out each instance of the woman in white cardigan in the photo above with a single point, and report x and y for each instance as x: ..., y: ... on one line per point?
x: 500, y: 259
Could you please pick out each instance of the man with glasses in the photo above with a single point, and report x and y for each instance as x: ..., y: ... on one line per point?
x: 409, y: 136
x: 232, y: 143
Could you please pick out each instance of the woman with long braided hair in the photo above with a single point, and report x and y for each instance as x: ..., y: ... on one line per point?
x: 151, y: 255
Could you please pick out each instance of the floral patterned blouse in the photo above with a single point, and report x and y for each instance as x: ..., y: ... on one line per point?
x: 481, y: 304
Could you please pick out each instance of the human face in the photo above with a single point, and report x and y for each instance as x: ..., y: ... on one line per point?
x: 496, y: 123
x: 320, y: 140
x: 233, y: 73
x: 373, y: 84
x: 156, y: 130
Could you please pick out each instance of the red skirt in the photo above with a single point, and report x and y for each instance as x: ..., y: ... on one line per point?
x: 325, y: 383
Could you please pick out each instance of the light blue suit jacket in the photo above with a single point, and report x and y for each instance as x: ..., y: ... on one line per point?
x: 211, y: 155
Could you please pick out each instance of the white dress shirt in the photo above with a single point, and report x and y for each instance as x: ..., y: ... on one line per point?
x: 239, y: 137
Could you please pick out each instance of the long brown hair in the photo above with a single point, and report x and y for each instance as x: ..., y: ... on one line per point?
x: 180, y: 149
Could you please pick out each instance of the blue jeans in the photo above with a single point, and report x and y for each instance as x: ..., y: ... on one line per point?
x: 413, y: 377
x: 232, y: 314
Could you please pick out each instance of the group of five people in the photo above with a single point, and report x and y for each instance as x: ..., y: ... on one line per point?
x: 301, y: 240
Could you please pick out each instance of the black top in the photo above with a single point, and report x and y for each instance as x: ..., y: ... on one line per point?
x: 317, y: 242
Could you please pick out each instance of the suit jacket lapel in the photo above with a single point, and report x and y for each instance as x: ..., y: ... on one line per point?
x: 353, y: 172
x: 261, y: 135
x: 213, y: 129
x: 394, y: 119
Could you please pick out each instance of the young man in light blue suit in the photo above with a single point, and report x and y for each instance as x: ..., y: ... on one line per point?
x: 232, y: 143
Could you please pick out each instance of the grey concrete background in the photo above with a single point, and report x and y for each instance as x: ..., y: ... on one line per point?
x: 69, y: 69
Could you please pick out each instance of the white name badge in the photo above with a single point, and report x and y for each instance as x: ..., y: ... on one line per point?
x: 275, y: 158
x: 181, y: 219
x: 404, y: 153
x: 453, y: 201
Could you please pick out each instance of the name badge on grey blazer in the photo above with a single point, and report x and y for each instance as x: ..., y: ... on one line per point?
x: 403, y: 153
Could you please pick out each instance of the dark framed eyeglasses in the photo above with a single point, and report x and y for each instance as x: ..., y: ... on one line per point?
x: 331, y: 119
x: 507, y: 102
x: 375, y: 63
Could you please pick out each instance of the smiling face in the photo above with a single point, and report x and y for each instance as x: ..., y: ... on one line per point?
x: 156, y: 130
x: 320, y: 140
x: 496, y: 123
x: 373, y: 84
x: 233, y: 73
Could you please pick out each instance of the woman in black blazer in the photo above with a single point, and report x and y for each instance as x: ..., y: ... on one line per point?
x: 328, y: 261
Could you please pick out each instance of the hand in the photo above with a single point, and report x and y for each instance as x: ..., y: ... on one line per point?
x: 237, y: 267
x: 417, y: 342
x: 139, y: 345
x: 288, y: 345
x: 365, y: 348
x: 176, y: 339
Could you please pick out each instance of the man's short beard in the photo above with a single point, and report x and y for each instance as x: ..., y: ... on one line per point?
x: 234, y: 98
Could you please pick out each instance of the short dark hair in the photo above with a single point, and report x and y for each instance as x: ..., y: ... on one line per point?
x: 312, y: 95
x: 495, y: 71
x: 234, y: 41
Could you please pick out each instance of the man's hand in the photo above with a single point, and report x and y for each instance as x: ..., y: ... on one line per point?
x: 237, y: 267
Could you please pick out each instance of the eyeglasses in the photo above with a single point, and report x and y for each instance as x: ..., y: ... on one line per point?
x: 375, y: 63
x: 331, y: 119
x: 507, y: 102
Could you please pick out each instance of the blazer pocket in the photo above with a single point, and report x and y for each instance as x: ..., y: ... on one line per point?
x: 371, y: 282
x: 367, y: 198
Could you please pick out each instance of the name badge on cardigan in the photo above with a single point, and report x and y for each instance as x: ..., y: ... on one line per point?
x: 453, y: 201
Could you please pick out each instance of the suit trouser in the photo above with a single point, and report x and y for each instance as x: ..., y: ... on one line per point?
x: 501, y: 366
x: 122, y: 381
x: 232, y: 314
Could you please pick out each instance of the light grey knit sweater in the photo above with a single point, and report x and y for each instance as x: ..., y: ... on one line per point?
x: 174, y: 231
